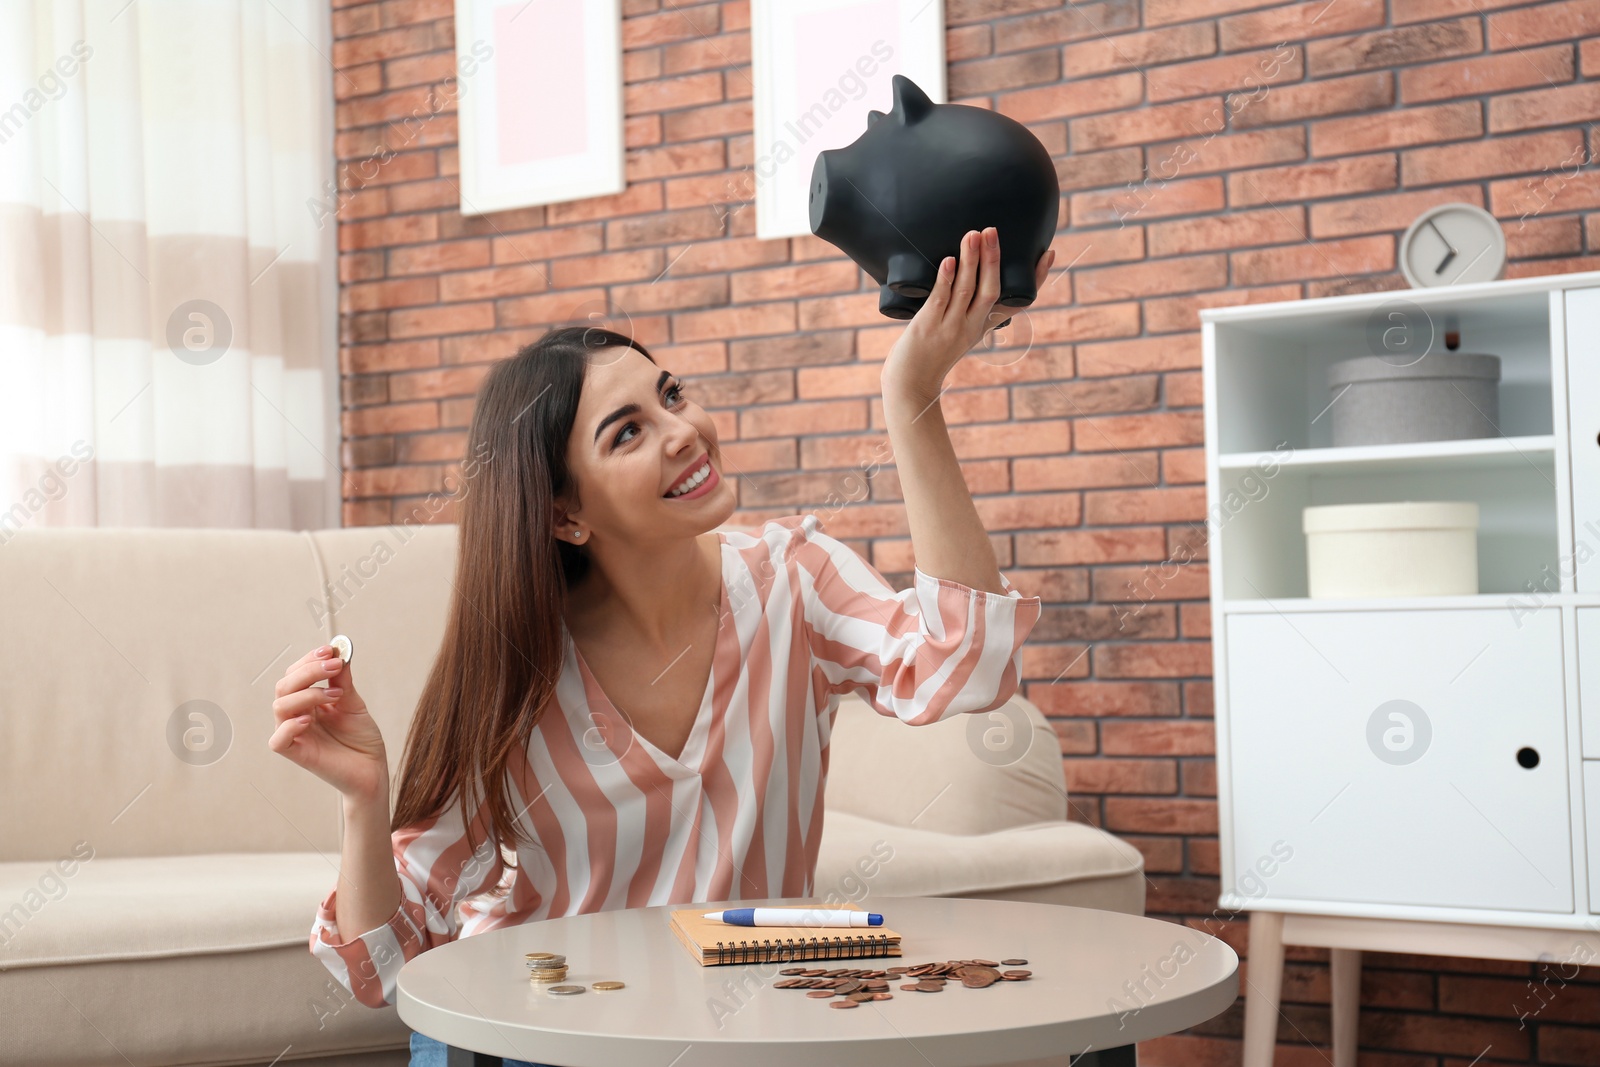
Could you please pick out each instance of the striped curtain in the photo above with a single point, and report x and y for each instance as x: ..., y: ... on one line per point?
x: 168, y: 279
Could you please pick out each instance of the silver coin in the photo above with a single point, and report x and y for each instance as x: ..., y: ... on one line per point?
x: 341, y: 644
x: 566, y: 990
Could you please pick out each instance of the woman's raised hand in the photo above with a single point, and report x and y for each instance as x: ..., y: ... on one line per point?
x: 959, y: 309
x: 328, y: 731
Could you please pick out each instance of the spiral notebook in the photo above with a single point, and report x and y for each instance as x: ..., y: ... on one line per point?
x: 711, y: 942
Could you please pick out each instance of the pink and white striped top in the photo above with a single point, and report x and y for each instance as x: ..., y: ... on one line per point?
x: 620, y: 824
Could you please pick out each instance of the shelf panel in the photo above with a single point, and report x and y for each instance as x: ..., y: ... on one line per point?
x: 1270, y: 372
x: 1436, y: 302
x: 1262, y: 545
x: 1476, y: 452
x: 1290, y: 605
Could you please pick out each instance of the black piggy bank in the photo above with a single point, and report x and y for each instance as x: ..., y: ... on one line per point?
x: 898, y: 199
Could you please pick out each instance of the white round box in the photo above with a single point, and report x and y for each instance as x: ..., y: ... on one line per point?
x: 1413, y: 548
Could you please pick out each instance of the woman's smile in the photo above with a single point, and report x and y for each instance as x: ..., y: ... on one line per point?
x: 700, y: 482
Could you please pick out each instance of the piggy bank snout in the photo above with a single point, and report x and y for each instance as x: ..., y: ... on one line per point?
x: 823, y: 220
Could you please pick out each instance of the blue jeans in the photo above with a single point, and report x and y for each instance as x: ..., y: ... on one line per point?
x: 426, y: 1052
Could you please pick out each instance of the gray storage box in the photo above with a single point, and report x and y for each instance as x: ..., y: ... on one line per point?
x: 1444, y: 396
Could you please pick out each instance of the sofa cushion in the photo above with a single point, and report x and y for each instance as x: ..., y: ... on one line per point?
x: 119, y: 908
x: 236, y: 1008
x: 177, y: 960
x: 968, y: 774
x: 1052, y: 862
x: 139, y: 674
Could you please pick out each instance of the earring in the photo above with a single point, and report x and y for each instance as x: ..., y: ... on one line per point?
x: 577, y: 535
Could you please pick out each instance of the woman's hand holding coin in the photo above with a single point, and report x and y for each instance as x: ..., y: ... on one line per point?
x: 327, y: 730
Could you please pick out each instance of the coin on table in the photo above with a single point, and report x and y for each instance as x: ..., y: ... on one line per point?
x: 566, y: 990
x: 1014, y: 963
x: 1016, y: 974
x: 846, y: 1003
x: 341, y: 644
x: 821, y: 994
x: 607, y: 985
x: 883, y: 996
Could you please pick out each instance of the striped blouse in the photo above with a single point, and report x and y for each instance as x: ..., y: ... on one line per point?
x: 619, y: 824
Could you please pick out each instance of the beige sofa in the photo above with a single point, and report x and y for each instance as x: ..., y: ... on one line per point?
x: 160, y: 866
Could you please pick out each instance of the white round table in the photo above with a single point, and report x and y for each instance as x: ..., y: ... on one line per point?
x: 1101, y: 981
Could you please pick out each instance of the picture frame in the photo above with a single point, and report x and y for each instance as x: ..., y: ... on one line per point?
x: 566, y: 57
x: 819, y: 66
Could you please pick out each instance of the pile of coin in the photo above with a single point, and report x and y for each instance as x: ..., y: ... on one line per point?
x: 551, y: 967
x: 848, y: 988
x: 546, y: 966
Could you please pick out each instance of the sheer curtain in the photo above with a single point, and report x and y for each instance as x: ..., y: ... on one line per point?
x: 168, y: 277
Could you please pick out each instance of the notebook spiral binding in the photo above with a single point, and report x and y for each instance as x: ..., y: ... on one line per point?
x: 779, y: 950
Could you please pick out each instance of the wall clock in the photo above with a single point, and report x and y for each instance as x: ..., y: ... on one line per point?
x: 1452, y: 244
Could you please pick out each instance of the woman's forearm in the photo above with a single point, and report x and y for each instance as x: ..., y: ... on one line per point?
x: 947, y: 536
x: 369, y: 885
x: 946, y: 533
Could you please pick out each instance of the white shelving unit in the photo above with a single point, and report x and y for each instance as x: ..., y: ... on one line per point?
x: 1475, y: 829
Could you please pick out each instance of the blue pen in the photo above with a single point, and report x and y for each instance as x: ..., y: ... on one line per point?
x: 795, y: 917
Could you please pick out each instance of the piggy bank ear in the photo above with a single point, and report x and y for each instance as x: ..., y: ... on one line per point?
x: 911, y: 104
x: 873, y: 117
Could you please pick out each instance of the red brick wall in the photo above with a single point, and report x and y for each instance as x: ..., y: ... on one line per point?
x: 1210, y: 152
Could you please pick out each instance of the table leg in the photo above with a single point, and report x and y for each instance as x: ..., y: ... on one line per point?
x: 461, y: 1057
x: 1265, y: 988
x: 1345, y: 964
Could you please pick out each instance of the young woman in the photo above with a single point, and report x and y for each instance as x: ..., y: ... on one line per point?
x: 634, y: 703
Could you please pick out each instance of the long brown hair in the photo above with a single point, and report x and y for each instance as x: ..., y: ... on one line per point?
x: 502, y: 651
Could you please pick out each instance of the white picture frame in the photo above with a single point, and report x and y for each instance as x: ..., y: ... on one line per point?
x: 567, y: 56
x: 808, y: 58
